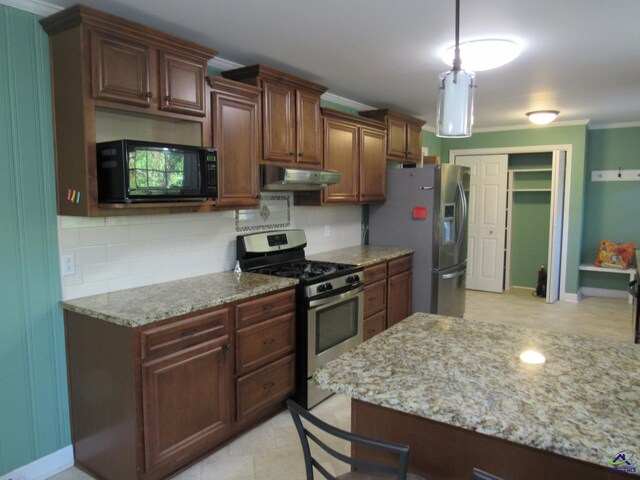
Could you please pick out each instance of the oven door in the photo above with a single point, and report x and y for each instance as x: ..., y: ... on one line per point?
x: 335, y: 326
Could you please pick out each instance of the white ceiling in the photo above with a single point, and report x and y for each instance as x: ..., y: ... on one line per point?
x: 581, y: 57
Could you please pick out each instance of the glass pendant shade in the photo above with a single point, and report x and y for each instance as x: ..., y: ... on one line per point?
x: 455, y: 104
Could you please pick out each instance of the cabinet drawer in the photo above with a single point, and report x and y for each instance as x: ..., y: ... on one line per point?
x: 375, y: 273
x: 264, y: 342
x: 184, y: 333
x: 265, y: 386
x: 400, y: 265
x: 375, y: 297
x: 254, y: 311
x: 373, y: 325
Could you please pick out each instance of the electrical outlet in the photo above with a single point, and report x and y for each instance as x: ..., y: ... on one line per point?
x: 68, y: 265
x: 327, y: 230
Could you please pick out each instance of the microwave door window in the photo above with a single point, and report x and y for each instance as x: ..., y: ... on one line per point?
x: 162, y: 173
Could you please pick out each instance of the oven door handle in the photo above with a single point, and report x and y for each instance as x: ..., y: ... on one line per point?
x: 333, y: 299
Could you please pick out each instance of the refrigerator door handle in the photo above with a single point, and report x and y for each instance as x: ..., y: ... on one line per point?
x: 463, y: 201
x: 459, y: 273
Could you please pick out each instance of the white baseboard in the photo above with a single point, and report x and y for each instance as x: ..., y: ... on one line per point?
x: 571, y: 297
x: 44, y: 467
x: 603, y: 292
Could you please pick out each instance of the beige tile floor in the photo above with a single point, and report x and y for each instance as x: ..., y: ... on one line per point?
x: 271, y: 451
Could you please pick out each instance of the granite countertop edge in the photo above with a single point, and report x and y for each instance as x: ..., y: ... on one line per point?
x: 360, y: 381
x: 362, y: 255
x: 141, y: 306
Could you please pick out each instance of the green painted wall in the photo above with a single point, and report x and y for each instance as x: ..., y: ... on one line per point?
x: 610, y: 208
x: 573, y: 135
x: 34, y: 417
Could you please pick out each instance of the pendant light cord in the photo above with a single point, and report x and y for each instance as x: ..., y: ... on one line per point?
x: 456, y: 61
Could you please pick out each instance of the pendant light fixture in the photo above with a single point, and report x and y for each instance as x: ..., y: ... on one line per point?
x: 455, y: 97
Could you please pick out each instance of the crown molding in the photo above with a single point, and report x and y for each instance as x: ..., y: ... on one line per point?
x: 43, y: 9
x: 331, y: 97
x: 604, y: 126
x: 222, y: 63
x: 529, y: 126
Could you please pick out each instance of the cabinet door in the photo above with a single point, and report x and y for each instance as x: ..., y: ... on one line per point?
x: 341, y: 154
x: 414, y: 142
x: 186, y: 402
x: 120, y: 70
x: 397, y: 142
x: 373, y: 165
x: 278, y: 123
x: 399, y: 294
x: 182, y: 84
x: 309, y: 129
x: 235, y: 134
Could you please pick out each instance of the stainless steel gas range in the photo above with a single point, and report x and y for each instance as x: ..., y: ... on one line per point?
x: 329, y: 301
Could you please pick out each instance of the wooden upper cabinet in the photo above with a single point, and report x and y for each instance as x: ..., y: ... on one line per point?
x: 113, y: 78
x: 404, y: 143
x: 309, y: 123
x: 182, y: 84
x: 373, y: 168
x: 291, y: 118
x: 355, y: 147
x: 341, y: 154
x: 235, y: 109
x: 120, y: 70
x: 279, y: 122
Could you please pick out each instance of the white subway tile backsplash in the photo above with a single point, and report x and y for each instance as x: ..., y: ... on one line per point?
x: 115, y: 253
x: 105, y: 271
x: 103, y: 235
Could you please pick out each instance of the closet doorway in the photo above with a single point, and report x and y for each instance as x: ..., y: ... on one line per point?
x: 517, y: 216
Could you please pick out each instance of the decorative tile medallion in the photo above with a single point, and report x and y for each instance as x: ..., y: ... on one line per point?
x: 274, y: 213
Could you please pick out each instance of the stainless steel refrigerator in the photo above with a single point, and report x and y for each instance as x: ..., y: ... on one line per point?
x: 426, y: 210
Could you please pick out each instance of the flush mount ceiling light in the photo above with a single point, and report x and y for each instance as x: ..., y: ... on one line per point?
x: 484, y: 54
x: 455, y: 96
x: 542, y: 117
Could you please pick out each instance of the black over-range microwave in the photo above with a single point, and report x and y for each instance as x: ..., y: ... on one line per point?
x: 136, y: 171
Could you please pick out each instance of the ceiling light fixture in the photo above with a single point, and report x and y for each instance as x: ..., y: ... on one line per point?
x: 542, y: 117
x: 484, y: 54
x: 533, y: 357
x: 455, y: 96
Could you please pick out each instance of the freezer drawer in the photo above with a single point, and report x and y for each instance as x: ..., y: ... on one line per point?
x: 449, y: 291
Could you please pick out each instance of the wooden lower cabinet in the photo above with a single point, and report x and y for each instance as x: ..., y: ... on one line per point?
x: 387, y: 294
x: 186, y: 402
x: 147, y: 401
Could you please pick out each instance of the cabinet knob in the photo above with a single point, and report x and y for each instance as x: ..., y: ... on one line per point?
x: 226, y: 347
x: 148, y: 94
x: 291, y: 154
x: 300, y: 154
x: 167, y: 98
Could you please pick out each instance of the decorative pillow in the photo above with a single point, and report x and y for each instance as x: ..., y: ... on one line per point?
x: 614, y: 255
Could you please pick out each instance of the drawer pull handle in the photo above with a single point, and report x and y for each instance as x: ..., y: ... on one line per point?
x: 371, y: 330
x: 267, y: 308
x: 269, y: 385
x: 268, y: 341
x: 190, y: 333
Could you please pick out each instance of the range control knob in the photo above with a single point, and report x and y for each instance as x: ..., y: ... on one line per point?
x: 353, y: 278
x: 325, y: 287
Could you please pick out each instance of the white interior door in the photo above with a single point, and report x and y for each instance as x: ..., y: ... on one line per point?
x: 555, y: 226
x: 487, y: 217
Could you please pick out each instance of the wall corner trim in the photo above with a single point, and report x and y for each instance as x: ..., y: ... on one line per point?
x: 44, y: 467
x: 33, y: 6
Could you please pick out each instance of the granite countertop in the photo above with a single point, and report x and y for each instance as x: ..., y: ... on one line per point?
x: 361, y: 255
x: 584, y: 402
x: 140, y: 306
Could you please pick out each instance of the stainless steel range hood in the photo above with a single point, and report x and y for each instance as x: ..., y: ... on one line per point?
x: 285, y: 179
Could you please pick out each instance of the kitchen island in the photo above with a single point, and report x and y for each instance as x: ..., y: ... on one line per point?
x: 456, y: 391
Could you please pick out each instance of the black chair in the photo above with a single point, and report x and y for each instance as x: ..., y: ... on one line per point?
x: 374, y: 471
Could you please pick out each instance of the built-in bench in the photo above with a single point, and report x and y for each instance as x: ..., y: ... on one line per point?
x: 601, y: 292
